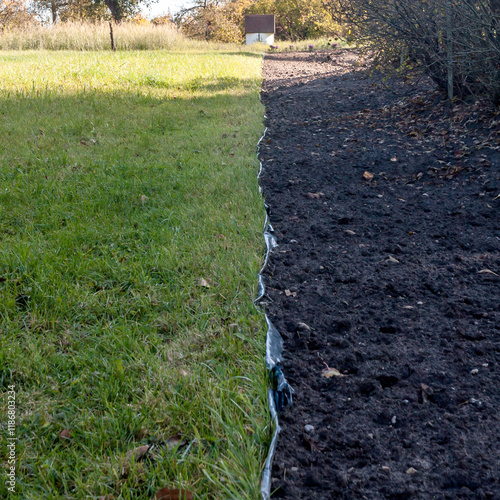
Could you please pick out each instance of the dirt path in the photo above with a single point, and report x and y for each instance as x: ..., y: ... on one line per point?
x: 387, y: 213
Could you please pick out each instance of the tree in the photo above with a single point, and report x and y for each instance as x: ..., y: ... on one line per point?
x: 223, y: 20
x: 14, y: 14
x: 216, y: 20
x: 53, y: 6
x: 84, y: 10
x: 297, y: 19
x: 92, y: 10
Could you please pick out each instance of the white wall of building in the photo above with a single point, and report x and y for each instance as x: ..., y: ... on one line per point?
x: 267, y: 38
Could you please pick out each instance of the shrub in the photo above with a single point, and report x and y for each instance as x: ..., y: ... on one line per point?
x: 457, y: 42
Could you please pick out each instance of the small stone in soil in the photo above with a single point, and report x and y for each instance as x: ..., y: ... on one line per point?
x: 309, y: 428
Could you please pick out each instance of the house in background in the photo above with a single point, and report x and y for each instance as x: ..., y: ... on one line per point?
x: 259, y: 28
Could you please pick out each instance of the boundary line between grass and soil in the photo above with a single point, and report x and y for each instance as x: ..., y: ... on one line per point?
x: 280, y: 393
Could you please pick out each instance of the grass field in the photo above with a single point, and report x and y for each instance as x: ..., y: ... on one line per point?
x: 130, y: 240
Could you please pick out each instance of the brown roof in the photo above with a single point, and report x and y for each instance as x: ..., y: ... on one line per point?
x: 259, y: 23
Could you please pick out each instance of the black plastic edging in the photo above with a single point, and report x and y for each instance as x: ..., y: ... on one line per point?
x: 280, y: 393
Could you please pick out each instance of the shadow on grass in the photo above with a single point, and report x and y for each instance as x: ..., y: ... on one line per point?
x: 133, y: 196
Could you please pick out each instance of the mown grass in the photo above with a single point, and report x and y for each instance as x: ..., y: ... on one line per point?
x: 130, y: 239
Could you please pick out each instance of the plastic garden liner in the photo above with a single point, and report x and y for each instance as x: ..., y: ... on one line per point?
x: 280, y: 393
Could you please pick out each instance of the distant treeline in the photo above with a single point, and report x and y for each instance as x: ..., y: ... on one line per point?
x: 208, y: 20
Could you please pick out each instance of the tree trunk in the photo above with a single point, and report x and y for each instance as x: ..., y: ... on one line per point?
x: 115, y: 9
x: 113, y: 46
x: 53, y: 10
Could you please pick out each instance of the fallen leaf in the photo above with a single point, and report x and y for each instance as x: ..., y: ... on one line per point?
x: 288, y: 293
x: 348, y: 231
x: 426, y: 391
x: 392, y: 259
x: 184, y: 373
x: 487, y: 271
x: 139, y: 453
x: 303, y: 326
x: 203, y: 282
x: 175, y: 441
x: 367, y: 176
x: 411, y: 470
x: 316, y: 196
x: 173, y: 494
x: 144, y: 198
x: 331, y: 372
x: 65, y: 434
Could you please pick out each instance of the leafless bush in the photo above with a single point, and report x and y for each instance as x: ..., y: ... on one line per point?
x: 457, y: 42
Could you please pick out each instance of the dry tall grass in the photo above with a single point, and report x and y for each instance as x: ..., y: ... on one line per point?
x: 86, y: 36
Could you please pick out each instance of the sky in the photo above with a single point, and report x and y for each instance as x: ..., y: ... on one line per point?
x: 163, y: 6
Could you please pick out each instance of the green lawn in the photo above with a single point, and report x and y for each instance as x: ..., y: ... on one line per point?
x: 130, y: 241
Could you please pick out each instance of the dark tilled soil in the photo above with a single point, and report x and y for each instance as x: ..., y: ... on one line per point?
x: 385, y: 203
